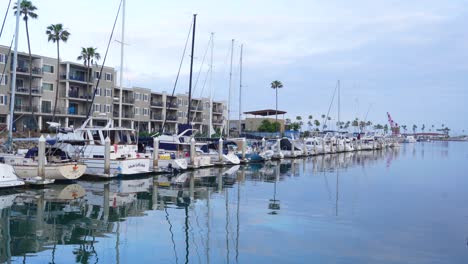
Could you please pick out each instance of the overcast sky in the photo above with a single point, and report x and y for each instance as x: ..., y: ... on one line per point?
x: 409, y: 58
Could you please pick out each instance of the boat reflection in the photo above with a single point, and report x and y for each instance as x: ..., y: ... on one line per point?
x: 80, y: 214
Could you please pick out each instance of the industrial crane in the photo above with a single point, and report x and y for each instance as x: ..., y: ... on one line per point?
x: 393, y: 126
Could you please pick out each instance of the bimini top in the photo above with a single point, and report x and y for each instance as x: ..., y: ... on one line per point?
x: 266, y: 112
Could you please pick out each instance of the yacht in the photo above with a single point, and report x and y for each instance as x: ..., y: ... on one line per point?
x: 410, y: 139
x: 87, y: 144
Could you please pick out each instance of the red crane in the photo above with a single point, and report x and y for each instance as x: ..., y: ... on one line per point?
x: 393, y: 126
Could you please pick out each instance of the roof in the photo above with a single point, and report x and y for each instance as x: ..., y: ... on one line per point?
x: 266, y: 112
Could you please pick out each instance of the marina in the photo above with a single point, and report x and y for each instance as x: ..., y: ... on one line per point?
x: 327, y: 208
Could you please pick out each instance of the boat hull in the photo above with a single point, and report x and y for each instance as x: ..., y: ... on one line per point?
x: 52, y: 171
x: 95, y: 167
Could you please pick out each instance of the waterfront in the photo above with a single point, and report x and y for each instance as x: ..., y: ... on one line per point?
x: 388, y: 206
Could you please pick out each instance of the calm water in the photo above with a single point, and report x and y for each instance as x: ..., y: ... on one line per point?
x: 405, y: 206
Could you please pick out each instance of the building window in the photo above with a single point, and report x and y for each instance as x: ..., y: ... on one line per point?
x: 98, y: 92
x: 97, y: 108
x: 146, y: 111
x: 96, y: 75
x: 145, y: 97
x: 48, y: 68
x: 3, y: 58
x: 109, y: 77
x: 46, y: 107
x: 4, y: 79
x: 108, y: 108
x: 137, y: 111
x: 47, y: 87
x: 108, y: 92
x: 3, y: 99
x: 136, y: 96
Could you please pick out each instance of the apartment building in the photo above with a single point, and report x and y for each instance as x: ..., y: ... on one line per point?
x: 143, y: 108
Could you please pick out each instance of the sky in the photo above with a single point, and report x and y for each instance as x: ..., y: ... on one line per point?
x: 409, y: 58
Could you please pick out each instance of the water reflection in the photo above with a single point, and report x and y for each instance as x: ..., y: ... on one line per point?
x: 196, y: 208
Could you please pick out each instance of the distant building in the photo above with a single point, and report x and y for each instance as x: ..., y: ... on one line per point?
x: 251, y: 124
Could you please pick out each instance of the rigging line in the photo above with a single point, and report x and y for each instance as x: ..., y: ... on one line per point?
x: 104, y: 61
x: 203, y: 88
x: 4, y: 19
x: 202, y: 64
x: 329, y: 108
x: 177, y: 77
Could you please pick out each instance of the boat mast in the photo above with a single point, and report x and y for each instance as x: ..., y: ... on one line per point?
x: 230, y: 92
x: 240, y: 91
x: 122, y: 64
x: 339, y: 124
x: 211, y: 87
x: 191, y: 69
x: 13, y: 80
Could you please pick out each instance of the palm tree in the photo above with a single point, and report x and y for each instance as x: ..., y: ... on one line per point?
x: 317, y: 124
x: 57, y: 33
x: 27, y: 9
x: 89, y: 56
x: 276, y: 85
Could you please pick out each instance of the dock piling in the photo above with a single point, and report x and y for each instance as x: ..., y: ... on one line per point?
x: 192, y: 152
x: 155, y: 153
x: 41, y: 158
x: 107, y: 143
x: 220, y: 150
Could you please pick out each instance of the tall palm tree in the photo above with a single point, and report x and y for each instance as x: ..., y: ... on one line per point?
x: 276, y: 85
x: 57, y: 33
x: 89, y: 56
x: 27, y: 10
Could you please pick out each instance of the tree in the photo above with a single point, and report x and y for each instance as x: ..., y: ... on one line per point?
x: 385, y: 128
x: 423, y: 127
x: 57, y: 33
x: 414, y: 129
x: 27, y: 10
x: 310, y: 122
x: 404, y: 127
x: 299, y: 121
x: 89, y: 56
x: 355, y: 123
x: 276, y: 85
x: 317, y: 124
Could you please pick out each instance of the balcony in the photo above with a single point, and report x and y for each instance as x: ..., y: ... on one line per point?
x: 217, y: 120
x: 76, y: 95
x: 198, y: 120
x: 171, y: 105
x: 35, y: 90
x: 26, y: 108
x: 171, y: 118
x: 128, y: 100
x: 157, y: 104
x: 196, y: 108
x: 125, y: 114
x: 25, y: 70
x: 74, y: 77
x: 156, y: 117
x: 217, y: 110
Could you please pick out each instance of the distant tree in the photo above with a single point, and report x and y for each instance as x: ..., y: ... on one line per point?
x: 355, y: 123
x: 414, y: 129
x: 267, y: 126
x: 56, y: 33
x: 276, y: 85
x: 423, y: 127
x: 309, y: 124
x: 404, y: 127
x: 317, y: 124
x: 27, y: 10
x: 385, y: 128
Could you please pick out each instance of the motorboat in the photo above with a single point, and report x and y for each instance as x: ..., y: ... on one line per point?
x: 8, y: 178
x: 410, y: 139
x: 87, y: 144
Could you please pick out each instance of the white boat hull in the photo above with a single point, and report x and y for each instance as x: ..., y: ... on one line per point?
x: 8, y: 178
x: 52, y: 171
x: 95, y: 167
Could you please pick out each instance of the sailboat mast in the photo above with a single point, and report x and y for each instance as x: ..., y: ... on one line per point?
x: 13, y: 79
x: 191, y: 69
x: 211, y: 87
x: 339, y: 105
x: 240, y: 91
x: 122, y: 64
x: 230, y: 92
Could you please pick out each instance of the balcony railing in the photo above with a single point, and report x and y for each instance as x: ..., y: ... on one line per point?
x: 73, y: 77
x: 195, y: 108
x: 156, y: 117
x: 75, y: 94
x: 128, y: 100
x: 125, y: 114
x: 34, y: 90
x: 171, y: 118
x: 171, y: 105
x: 157, y: 103
x: 25, y: 108
x: 217, y: 110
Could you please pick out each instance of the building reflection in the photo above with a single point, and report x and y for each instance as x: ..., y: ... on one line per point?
x: 79, y: 214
